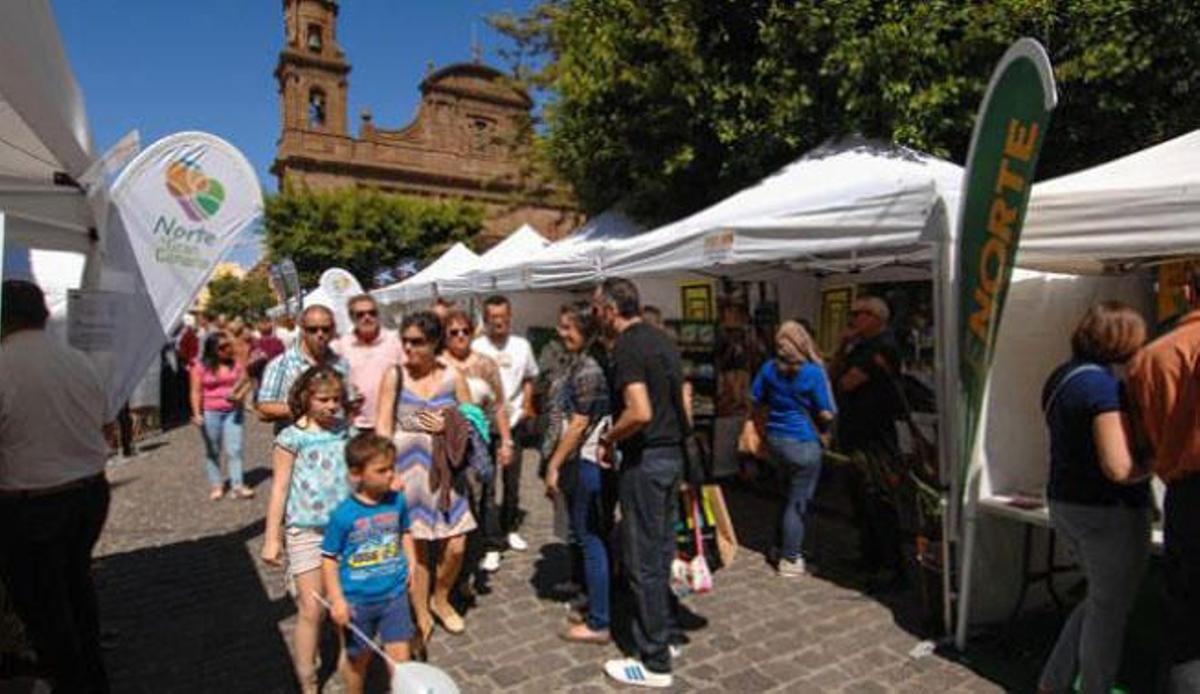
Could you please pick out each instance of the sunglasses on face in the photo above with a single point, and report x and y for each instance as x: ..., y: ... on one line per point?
x: 459, y: 332
x: 373, y: 313
x: 860, y: 312
x: 314, y: 329
x: 413, y: 341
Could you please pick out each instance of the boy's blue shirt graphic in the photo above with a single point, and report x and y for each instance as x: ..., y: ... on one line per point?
x: 366, y: 541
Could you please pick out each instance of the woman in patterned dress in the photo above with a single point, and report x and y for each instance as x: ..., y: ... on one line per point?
x: 410, y: 414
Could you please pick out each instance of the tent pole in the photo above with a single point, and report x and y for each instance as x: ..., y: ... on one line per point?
x: 946, y: 361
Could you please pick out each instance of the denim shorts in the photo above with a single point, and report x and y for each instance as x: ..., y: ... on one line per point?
x: 389, y: 620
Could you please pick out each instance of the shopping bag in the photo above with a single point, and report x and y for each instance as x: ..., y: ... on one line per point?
x: 692, y: 576
x: 726, y: 538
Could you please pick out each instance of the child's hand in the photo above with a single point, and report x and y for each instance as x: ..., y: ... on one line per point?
x: 272, y: 551
x: 339, y: 612
x: 397, y: 484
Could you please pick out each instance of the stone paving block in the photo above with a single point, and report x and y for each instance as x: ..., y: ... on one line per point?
x: 749, y: 680
x: 866, y: 687
x: 509, y: 675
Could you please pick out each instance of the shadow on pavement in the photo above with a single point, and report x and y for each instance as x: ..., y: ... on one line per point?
x: 195, y: 617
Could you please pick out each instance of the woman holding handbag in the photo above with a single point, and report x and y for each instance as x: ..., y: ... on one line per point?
x: 219, y: 388
x: 793, y: 389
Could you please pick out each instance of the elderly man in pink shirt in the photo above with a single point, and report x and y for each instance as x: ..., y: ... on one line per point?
x: 371, y: 351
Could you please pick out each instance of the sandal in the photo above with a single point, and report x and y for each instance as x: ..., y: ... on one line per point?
x: 451, y: 622
x: 580, y: 633
x: 216, y: 493
x: 241, y: 492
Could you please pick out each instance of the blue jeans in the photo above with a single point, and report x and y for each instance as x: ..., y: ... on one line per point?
x: 801, y: 462
x: 223, y: 430
x: 591, y: 517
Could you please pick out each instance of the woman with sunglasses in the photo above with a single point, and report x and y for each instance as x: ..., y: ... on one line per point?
x: 793, y: 390
x: 486, y: 390
x: 218, y: 384
x: 412, y: 398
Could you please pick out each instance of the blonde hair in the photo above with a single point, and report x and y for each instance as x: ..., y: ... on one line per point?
x: 795, y: 344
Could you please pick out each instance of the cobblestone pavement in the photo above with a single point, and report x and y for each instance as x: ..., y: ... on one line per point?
x: 189, y: 608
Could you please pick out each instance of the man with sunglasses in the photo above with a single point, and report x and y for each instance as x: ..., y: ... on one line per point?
x: 371, y: 351
x: 865, y: 376
x: 317, y: 331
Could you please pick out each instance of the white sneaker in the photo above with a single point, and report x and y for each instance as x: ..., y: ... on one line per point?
x: 791, y: 569
x: 517, y: 542
x: 491, y: 562
x: 631, y: 671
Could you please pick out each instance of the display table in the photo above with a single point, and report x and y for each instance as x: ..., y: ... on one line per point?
x: 1034, y: 513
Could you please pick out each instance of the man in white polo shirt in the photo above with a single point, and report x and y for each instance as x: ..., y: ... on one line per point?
x: 53, y: 494
x: 518, y: 369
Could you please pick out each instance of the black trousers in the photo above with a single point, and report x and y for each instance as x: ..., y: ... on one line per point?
x: 648, y: 492
x: 45, y: 561
x: 496, y: 527
x: 1181, y: 545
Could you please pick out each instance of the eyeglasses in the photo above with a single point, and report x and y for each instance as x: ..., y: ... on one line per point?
x: 459, y: 332
x: 414, y: 341
x: 373, y: 313
x: 314, y: 329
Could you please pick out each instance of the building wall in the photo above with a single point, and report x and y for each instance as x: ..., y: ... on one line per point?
x: 460, y: 145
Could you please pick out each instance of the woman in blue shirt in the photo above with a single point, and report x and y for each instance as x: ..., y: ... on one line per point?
x: 1098, y: 495
x: 793, y: 388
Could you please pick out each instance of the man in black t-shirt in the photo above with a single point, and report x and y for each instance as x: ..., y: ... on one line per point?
x: 865, y: 379
x: 646, y: 378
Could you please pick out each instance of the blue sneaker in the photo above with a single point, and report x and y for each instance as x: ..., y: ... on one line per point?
x: 631, y: 671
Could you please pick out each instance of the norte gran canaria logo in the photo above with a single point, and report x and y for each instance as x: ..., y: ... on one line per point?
x: 199, y: 195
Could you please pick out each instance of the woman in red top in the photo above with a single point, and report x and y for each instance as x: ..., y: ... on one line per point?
x: 218, y: 384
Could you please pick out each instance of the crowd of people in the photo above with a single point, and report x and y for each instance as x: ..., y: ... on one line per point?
x: 391, y: 448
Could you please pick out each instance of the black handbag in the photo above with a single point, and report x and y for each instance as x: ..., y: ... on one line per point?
x: 697, y: 453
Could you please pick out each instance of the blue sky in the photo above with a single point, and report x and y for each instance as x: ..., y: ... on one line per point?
x: 163, y: 66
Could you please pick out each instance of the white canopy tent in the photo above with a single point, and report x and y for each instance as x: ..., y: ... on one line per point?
x: 852, y: 203
x: 1141, y: 206
x: 569, y: 261
x: 522, y: 243
x: 423, y: 286
x: 45, y: 148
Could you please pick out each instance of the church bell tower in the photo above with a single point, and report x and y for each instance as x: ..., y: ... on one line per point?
x: 312, y: 70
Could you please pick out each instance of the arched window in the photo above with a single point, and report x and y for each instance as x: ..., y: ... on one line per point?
x: 316, y: 108
x: 314, y: 38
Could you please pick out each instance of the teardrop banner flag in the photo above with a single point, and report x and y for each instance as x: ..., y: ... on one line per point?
x: 183, y: 202
x: 1008, y: 136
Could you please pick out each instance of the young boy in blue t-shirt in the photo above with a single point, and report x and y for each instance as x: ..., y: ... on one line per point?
x: 366, y: 552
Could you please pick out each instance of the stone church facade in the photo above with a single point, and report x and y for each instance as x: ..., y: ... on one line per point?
x: 458, y: 146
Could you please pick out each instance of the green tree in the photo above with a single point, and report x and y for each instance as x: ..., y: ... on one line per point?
x: 248, y: 296
x: 669, y: 105
x: 362, y: 230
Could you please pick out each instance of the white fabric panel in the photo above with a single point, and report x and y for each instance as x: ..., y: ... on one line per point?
x: 1143, y: 205
x: 1035, y: 336
x: 41, y: 108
